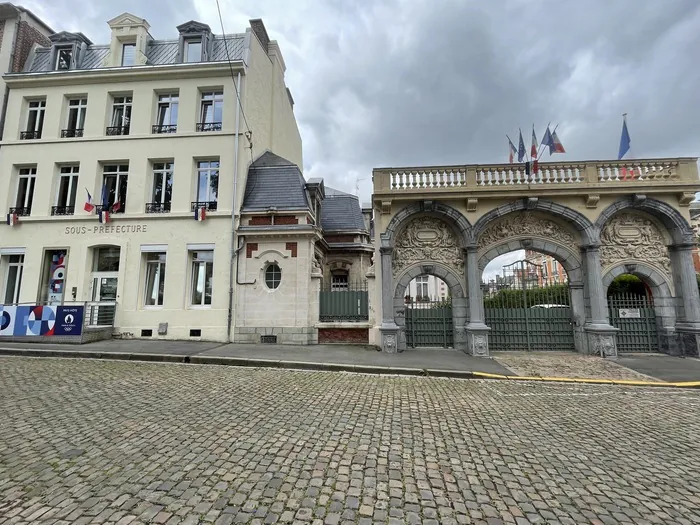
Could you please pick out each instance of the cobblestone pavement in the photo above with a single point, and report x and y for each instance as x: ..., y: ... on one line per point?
x: 566, y: 364
x: 123, y: 442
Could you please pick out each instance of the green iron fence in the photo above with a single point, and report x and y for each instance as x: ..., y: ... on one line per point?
x: 528, y: 311
x: 429, y: 324
x: 344, y: 303
x: 635, y: 316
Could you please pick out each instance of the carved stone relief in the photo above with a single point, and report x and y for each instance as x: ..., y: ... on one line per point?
x: 427, y: 239
x: 695, y: 224
x: 603, y: 345
x: 526, y: 224
x: 633, y: 237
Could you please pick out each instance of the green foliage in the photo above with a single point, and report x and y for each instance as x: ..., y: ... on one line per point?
x: 518, y: 298
x: 445, y: 303
x: 627, y: 284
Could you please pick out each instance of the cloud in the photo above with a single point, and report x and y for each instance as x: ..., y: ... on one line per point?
x: 415, y: 82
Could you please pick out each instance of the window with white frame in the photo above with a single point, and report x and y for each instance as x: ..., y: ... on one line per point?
x: 116, y: 178
x: 67, y: 190
x: 202, y: 277
x: 422, y: 292
x: 25, y: 191
x: 128, y: 54
x: 273, y: 276
x: 207, y: 183
x: 35, y: 119
x: 14, y: 266
x: 121, y: 115
x: 162, y: 188
x: 64, y: 57
x: 212, y: 111
x: 77, y: 108
x: 193, y: 50
x: 166, y: 117
x: 155, y: 278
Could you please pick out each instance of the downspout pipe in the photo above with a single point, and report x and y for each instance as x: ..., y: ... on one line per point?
x: 234, y: 251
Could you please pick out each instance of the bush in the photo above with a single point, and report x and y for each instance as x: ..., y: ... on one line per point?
x: 627, y: 284
x: 554, y: 294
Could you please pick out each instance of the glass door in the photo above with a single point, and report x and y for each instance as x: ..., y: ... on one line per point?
x: 104, y: 290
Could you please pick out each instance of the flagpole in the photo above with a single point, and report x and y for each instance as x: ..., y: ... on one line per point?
x: 539, y: 152
x: 553, y: 131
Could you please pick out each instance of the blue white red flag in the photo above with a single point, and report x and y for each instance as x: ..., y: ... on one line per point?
x: 104, y: 215
x: 556, y: 146
x: 511, y: 150
x: 89, y: 206
x: 12, y: 219
x: 200, y: 214
x: 533, y: 148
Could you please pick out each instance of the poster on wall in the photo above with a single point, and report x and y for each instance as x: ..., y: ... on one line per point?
x: 40, y: 320
x: 57, y: 277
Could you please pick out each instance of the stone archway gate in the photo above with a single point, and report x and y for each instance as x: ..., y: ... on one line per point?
x: 458, y: 218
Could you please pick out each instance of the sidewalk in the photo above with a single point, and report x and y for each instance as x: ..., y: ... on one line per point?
x: 647, y: 368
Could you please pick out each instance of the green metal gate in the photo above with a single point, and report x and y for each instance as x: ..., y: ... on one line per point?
x: 528, y: 308
x: 635, y: 316
x: 429, y: 324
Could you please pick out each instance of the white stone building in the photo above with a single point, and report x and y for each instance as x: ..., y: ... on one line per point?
x: 426, y: 288
x: 153, y: 131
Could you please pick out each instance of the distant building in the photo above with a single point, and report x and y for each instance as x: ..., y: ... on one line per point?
x: 552, y: 271
x: 426, y: 288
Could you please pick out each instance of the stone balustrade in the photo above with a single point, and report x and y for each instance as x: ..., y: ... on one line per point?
x: 601, y: 174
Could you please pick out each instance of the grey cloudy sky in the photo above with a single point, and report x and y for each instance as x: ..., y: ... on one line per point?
x: 421, y: 82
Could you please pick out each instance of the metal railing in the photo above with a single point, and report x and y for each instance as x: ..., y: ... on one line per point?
x: 62, y: 210
x: 164, y: 128
x: 208, y: 205
x: 30, y: 135
x: 21, y: 211
x: 71, y: 133
x: 117, y: 130
x: 157, y: 207
x: 208, y: 126
x: 340, y: 302
x: 100, y: 313
x: 101, y: 207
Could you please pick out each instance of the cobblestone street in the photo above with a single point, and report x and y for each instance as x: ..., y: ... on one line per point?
x: 132, y: 443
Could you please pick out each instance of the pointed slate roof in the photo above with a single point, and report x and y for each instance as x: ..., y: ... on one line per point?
x: 341, y: 211
x: 274, y: 182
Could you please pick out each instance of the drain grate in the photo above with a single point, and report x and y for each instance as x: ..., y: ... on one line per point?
x: 268, y: 339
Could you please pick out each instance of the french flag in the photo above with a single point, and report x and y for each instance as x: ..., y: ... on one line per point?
x: 104, y: 215
x: 200, y: 214
x: 12, y: 219
x: 89, y: 206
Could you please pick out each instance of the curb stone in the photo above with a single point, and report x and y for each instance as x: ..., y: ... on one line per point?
x: 329, y: 367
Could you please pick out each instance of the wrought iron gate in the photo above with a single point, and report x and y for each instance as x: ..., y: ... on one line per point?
x: 429, y: 324
x: 635, y: 316
x: 529, y: 308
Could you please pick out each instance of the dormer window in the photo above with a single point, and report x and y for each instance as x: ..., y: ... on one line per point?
x: 64, y: 56
x: 128, y: 54
x: 193, y: 50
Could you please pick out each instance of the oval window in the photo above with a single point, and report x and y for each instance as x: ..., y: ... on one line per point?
x: 273, y: 276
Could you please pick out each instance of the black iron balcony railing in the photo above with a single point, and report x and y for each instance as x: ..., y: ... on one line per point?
x: 208, y: 126
x: 30, y: 135
x: 71, y: 133
x: 111, y: 209
x: 62, y: 210
x: 157, y: 207
x: 164, y: 128
x: 21, y: 211
x: 208, y: 205
x: 117, y: 130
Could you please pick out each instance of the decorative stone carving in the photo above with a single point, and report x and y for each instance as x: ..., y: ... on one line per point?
x: 695, y: 224
x: 526, y: 224
x: 478, y: 344
x: 604, y: 345
x: 427, y: 239
x: 389, y: 345
x: 633, y: 237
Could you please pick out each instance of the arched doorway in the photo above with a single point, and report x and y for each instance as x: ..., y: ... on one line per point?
x: 527, y: 304
x: 631, y: 310
x: 428, y: 313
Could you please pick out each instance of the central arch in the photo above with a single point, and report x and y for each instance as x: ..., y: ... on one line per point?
x: 457, y: 291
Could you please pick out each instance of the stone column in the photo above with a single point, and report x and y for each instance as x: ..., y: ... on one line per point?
x: 389, y: 330
x: 687, y: 325
x: 600, y: 334
x: 477, y: 331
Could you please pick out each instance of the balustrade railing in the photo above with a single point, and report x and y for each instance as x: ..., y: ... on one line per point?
x: 548, y: 173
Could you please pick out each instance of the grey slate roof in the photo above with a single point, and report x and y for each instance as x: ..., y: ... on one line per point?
x: 158, y: 52
x: 341, y: 211
x: 274, y: 181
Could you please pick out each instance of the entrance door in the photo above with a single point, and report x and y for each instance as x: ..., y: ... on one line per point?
x: 527, y: 309
x: 634, y: 315
x: 104, y: 290
x: 429, y: 324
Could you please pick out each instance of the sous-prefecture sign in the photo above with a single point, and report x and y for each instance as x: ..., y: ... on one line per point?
x: 69, y: 320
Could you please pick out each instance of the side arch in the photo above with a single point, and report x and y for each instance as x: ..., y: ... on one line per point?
x: 681, y: 232
x: 575, y: 219
x: 450, y: 215
x: 459, y: 301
